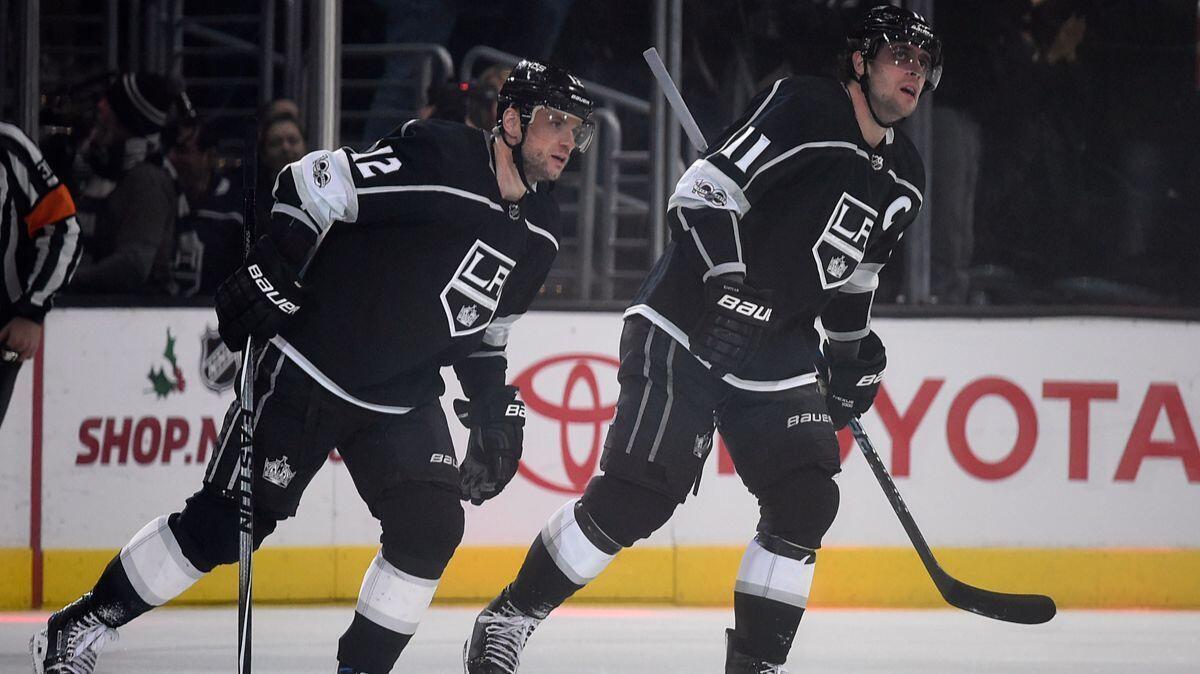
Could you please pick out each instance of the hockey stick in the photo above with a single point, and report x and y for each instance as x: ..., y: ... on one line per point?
x: 246, y: 453
x: 1029, y: 609
x: 674, y: 98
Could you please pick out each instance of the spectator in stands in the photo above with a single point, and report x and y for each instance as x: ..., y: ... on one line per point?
x: 524, y: 28
x: 470, y: 103
x: 41, y: 248
x: 208, y: 234
x: 128, y: 200
x: 483, y: 109
x: 279, y: 106
x: 280, y: 142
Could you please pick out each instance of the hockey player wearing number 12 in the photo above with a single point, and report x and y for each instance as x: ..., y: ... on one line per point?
x: 789, y: 216
x: 383, y: 267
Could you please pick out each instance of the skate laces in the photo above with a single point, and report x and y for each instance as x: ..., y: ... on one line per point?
x: 507, y: 630
x: 85, y: 639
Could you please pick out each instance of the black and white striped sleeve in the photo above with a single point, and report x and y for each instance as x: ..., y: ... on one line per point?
x: 45, y: 219
x: 749, y: 160
x: 310, y: 195
x: 847, y: 317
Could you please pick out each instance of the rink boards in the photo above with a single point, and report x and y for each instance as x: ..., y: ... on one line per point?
x: 1056, y: 456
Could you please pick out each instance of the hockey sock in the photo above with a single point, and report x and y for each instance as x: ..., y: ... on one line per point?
x: 772, y: 590
x: 391, y: 604
x: 149, y: 571
x: 367, y: 648
x: 569, y: 553
x: 114, y: 599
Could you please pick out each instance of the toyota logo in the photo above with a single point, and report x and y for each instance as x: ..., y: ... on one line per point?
x: 568, y: 410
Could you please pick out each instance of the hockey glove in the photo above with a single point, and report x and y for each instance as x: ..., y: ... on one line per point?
x: 497, y: 423
x: 257, y: 299
x: 851, y: 382
x: 735, y: 319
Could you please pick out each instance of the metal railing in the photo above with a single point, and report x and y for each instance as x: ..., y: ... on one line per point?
x: 433, y: 64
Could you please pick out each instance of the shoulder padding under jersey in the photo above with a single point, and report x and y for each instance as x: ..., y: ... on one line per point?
x: 317, y: 190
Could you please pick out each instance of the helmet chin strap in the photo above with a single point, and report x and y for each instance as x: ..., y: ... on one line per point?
x: 864, y: 83
x: 517, y: 156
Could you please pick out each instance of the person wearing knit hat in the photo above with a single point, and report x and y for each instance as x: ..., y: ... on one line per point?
x: 141, y: 101
x: 128, y: 197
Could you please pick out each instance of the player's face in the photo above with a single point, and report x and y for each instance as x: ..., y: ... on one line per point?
x: 550, y: 138
x: 898, y: 75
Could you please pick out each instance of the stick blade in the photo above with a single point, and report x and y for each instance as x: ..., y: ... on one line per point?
x: 1025, y: 609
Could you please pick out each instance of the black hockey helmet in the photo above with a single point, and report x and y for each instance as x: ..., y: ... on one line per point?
x: 886, y: 24
x: 531, y: 85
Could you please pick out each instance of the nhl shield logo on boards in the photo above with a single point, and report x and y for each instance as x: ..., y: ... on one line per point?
x: 218, y: 365
x: 278, y: 472
x: 472, y: 295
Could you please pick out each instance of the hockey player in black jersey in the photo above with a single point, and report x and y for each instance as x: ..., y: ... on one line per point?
x: 379, y: 268
x: 788, y: 217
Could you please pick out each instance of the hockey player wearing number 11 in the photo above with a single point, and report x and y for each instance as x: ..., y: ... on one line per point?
x: 789, y: 216
x: 378, y: 269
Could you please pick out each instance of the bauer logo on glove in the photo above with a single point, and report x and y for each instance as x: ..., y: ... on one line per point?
x: 746, y: 308
x: 285, y: 305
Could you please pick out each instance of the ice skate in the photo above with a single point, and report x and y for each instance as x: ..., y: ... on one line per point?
x: 71, y: 641
x: 740, y: 663
x: 497, y: 639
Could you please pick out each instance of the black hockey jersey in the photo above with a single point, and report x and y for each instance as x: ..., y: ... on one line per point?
x: 419, y: 263
x: 792, y: 196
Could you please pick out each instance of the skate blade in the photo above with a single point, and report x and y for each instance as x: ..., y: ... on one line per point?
x: 37, y: 651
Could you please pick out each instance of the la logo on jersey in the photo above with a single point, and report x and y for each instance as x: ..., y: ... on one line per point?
x: 841, y: 246
x: 472, y: 295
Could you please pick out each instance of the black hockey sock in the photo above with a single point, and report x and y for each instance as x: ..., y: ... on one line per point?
x: 540, y: 586
x: 764, y: 627
x: 114, y: 599
x: 369, y: 648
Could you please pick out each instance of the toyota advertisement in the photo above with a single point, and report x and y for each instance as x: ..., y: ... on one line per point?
x: 1061, y: 433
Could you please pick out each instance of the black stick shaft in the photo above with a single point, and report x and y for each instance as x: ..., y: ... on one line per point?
x: 246, y: 453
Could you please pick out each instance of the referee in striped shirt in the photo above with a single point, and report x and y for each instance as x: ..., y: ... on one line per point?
x: 39, y: 248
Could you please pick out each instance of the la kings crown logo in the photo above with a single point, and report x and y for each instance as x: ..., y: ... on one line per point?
x: 845, y: 236
x: 472, y: 295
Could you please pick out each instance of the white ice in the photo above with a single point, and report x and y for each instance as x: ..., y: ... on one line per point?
x: 661, y: 640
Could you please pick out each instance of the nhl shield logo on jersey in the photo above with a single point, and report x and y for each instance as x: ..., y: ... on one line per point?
x: 278, y: 472
x: 218, y: 365
x: 841, y: 246
x: 472, y: 295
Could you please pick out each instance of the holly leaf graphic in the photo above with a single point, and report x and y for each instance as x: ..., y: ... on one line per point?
x: 158, y: 379
x: 169, y: 354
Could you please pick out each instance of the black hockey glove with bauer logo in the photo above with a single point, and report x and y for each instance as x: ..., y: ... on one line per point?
x: 735, y: 319
x: 851, y: 382
x: 257, y: 299
x: 497, y: 423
